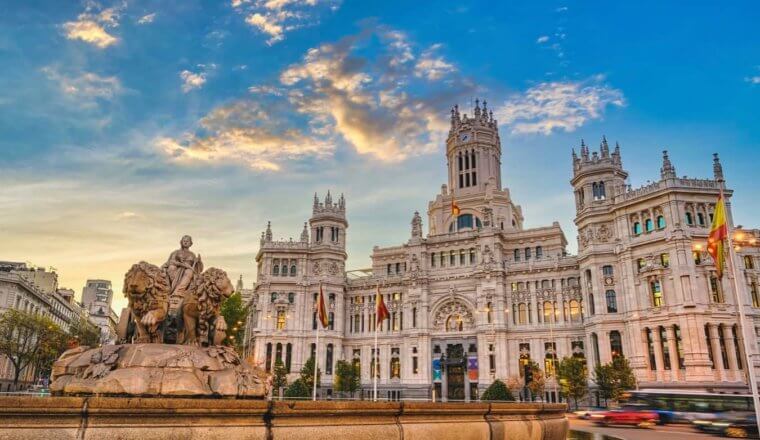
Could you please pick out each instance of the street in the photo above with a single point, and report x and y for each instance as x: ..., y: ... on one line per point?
x: 671, y: 432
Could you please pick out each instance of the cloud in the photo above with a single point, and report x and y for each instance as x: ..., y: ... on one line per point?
x: 85, y: 87
x: 542, y: 39
x: 431, y: 66
x: 378, y: 105
x: 561, y: 9
x: 127, y: 215
x: 244, y: 132
x: 90, y: 26
x: 275, y: 18
x: 551, y: 106
x: 753, y: 79
x: 195, y: 80
x: 147, y: 19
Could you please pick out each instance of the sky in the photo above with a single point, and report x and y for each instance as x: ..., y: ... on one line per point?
x: 127, y: 124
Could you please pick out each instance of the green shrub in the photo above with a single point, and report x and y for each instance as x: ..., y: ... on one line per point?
x: 297, y: 389
x: 497, y: 391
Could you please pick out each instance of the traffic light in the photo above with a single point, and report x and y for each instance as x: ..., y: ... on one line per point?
x: 528, y: 374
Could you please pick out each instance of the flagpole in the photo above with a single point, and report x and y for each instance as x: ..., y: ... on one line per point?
x: 375, y: 366
x: 751, y: 376
x: 316, y: 364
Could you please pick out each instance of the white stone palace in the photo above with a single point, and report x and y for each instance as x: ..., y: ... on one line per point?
x: 479, y: 294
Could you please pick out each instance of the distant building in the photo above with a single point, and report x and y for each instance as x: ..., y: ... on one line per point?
x: 480, y: 296
x: 97, y: 296
x: 33, y: 290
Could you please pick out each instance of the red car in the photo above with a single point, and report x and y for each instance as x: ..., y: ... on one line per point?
x: 627, y: 415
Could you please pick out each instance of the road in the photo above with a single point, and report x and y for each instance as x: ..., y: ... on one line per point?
x: 670, y: 432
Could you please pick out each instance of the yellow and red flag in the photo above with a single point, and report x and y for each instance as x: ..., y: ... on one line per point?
x: 380, y: 309
x: 455, y: 208
x: 321, y: 308
x: 718, y: 235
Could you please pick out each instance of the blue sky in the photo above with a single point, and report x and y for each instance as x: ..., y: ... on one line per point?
x: 124, y: 125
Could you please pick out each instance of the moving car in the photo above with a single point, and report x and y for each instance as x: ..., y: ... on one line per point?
x: 627, y: 415
x: 587, y: 413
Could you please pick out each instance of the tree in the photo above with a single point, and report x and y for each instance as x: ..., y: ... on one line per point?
x: 307, y: 374
x: 514, y: 384
x: 279, y: 378
x: 497, y: 391
x: 537, y: 385
x: 347, y: 377
x: 573, y: 378
x: 84, y: 333
x: 297, y: 390
x: 614, y: 378
x: 235, y: 314
x: 29, y: 340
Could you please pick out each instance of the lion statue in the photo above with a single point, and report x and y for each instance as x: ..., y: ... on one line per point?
x: 147, y: 289
x: 201, y: 308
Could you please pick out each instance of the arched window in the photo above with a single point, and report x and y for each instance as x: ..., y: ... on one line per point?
x: 395, y: 367
x: 517, y: 255
x: 539, y: 252
x: 700, y: 219
x: 575, y: 311
x: 331, y: 321
x: 278, y: 353
x: 611, y: 301
x: 660, y: 222
x: 689, y: 219
x: 281, y: 320
x: 527, y: 254
x: 276, y: 267
x: 665, y: 348
x: 754, y: 294
x: 616, y: 344
x: 489, y: 316
x: 649, y: 225
x: 522, y: 314
x: 716, y: 290
x: 637, y: 228
x: 749, y: 263
x: 293, y: 270
x: 467, y: 221
x: 602, y: 193
x: 549, y: 310
x: 273, y: 297
x: 288, y: 354
x: 268, y: 365
x: 595, y: 348
x: 679, y: 347
x: 591, y: 306
x: 735, y: 335
x: 608, y: 271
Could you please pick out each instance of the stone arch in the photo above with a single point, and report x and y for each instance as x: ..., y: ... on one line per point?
x: 453, y: 315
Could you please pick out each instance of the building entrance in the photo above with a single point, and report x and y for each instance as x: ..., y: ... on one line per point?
x: 455, y: 369
x: 455, y: 375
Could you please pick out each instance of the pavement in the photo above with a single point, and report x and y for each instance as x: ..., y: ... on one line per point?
x: 669, y: 432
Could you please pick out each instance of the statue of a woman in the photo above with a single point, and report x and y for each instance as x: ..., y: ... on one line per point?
x: 181, y: 267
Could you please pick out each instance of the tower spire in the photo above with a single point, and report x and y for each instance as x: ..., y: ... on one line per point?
x: 268, y: 233
x: 717, y: 168
x: 605, y: 149
x: 668, y: 171
x: 305, y: 233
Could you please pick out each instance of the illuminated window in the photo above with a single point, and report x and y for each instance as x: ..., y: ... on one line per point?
x: 522, y: 314
x: 616, y: 344
x: 550, y: 359
x: 655, y: 291
x: 665, y: 260
x: 748, y: 262
x: 473, y: 257
x: 754, y: 294
x: 697, y: 257
x: 280, y: 320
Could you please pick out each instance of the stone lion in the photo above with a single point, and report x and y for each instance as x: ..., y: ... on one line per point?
x: 147, y: 289
x: 201, y: 308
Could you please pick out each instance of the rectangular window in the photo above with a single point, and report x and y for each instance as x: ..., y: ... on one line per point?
x: 517, y: 254
x: 716, y: 291
x: 389, y: 268
x: 748, y: 262
x: 432, y: 260
x: 398, y: 267
x: 281, y: 320
x: 473, y: 258
x: 462, y: 258
x: 452, y: 258
x: 443, y: 259
x: 753, y: 292
x: 697, y: 257
x: 656, y: 291
x: 665, y: 260
x: 527, y: 254
x: 539, y: 252
x: 415, y: 367
x: 414, y: 317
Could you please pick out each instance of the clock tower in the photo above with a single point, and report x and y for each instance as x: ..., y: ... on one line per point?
x: 473, y: 151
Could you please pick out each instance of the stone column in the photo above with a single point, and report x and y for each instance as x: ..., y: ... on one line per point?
x: 645, y: 344
x: 717, y: 356
x: 657, y: 342
x: 673, y: 349
x: 728, y: 340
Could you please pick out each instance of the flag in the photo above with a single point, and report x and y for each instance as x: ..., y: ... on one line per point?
x: 454, y: 208
x: 321, y: 309
x: 380, y: 309
x: 718, y: 235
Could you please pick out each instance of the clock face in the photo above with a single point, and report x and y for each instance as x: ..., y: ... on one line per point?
x: 464, y: 137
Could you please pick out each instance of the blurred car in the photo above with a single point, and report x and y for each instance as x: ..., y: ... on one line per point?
x: 627, y: 415
x: 587, y: 413
x: 738, y: 424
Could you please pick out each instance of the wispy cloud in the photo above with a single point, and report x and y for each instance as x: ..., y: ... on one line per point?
x: 275, y: 18
x: 195, y: 80
x: 433, y: 66
x: 85, y: 87
x: 244, y: 132
x: 560, y: 106
x: 542, y: 39
x: 91, y: 25
x: 147, y: 19
x: 753, y: 79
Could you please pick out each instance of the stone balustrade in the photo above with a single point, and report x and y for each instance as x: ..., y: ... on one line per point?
x: 163, y: 418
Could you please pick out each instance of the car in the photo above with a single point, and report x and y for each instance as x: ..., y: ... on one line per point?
x: 587, y: 413
x: 627, y: 415
x: 744, y: 428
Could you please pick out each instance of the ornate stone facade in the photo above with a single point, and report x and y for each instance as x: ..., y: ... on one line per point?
x: 480, y: 295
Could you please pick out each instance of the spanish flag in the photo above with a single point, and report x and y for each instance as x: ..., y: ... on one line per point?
x: 455, y: 208
x: 321, y: 308
x: 380, y: 309
x: 718, y: 235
